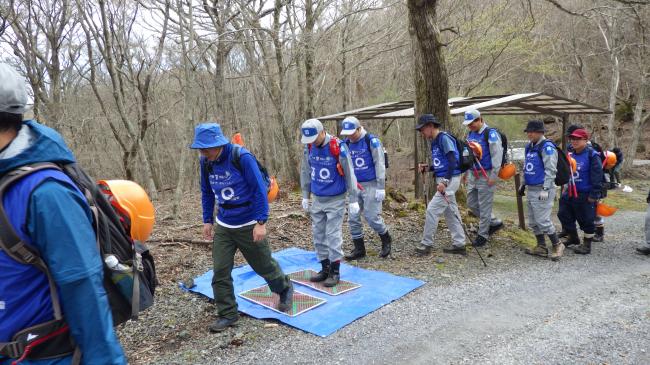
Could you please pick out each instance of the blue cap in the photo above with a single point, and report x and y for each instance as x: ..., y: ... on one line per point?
x: 470, y: 116
x: 427, y: 119
x: 208, y: 135
x: 349, y: 125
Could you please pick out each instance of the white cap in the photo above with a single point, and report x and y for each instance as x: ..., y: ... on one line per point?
x: 13, y: 93
x: 310, y: 129
x: 349, y: 125
x: 470, y: 116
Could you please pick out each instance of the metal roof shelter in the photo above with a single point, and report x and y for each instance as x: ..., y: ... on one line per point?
x: 506, y: 104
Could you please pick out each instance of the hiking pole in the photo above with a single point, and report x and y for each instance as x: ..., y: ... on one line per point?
x: 444, y: 195
x: 425, y: 182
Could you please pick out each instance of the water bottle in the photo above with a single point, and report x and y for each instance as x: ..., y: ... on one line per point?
x: 113, y: 264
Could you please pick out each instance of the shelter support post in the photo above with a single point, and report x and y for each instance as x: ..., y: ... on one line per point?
x: 520, y: 202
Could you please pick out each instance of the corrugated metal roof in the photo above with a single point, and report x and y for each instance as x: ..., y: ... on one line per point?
x: 508, y: 104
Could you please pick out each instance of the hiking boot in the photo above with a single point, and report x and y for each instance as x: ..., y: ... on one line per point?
x: 600, y: 234
x: 386, y: 241
x: 359, y: 250
x: 334, y: 276
x: 222, y: 324
x: 480, y: 241
x: 557, y: 252
x: 423, y: 249
x: 585, y: 247
x: 540, y: 249
x: 555, y: 240
x: 495, y: 228
x: 571, y: 239
x: 458, y: 250
x: 645, y: 250
x: 323, y: 274
x: 286, y: 299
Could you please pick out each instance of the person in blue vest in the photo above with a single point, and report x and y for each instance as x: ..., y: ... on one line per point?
x: 367, y: 156
x: 240, y: 224
x: 480, y: 188
x: 445, y: 159
x: 540, y: 168
x: 645, y: 248
x: 51, y: 215
x: 588, y: 179
x: 327, y: 176
x: 616, y: 170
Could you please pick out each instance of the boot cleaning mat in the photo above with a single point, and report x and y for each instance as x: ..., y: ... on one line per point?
x: 302, y: 277
x: 265, y: 297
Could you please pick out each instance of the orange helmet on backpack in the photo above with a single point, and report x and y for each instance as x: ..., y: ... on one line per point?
x: 131, y: 201
x: 610, y: 160
x: 605, y: 210
x: 476, y: 148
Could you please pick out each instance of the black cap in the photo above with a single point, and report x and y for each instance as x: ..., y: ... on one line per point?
x: 427, y: 119
x: 572, y: 128
x: 535, y: 125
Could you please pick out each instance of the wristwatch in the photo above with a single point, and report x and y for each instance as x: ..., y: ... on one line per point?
x: 261, y: 222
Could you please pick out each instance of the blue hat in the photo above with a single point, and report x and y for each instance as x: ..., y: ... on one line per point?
x: 349, y: 125
x: 470, y: 116
x: 208, y: 135
x: 310, y: 129
x: 426, y: 119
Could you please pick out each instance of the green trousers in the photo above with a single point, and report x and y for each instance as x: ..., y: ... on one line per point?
x: 258, y: 254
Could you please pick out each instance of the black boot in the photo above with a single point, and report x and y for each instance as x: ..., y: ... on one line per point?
x: 571, y: 239
x: 323, y: 274
x: 334, y: 275
x: 540, y: 249
x: 386, y: 240
x: 359, y: 250
x: 600, y: 234
x: 585, y: 247
x: 286, y: 298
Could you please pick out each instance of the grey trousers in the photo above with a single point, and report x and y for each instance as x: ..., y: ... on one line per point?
x: 647, y: 227
x: 539, y: 212
x: 480, y: 197
x: 371, y: 211
x: 439, y: 206
x: 326, y: 226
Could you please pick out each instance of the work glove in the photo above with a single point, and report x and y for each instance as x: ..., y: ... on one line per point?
x: 522, y: 190
x: 305, y: 204
x: 354, y: 208
x: 543, y: 195
x: 380, y: 194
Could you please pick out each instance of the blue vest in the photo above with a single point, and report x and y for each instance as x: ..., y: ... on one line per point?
x: 364, y: 165
x: 438, y: 158
x: 582, y: 176
x: 486, y: 158
x: 325, y: 178
x: 229, y: 186
x: 25, y: 290
x: 533, y: 164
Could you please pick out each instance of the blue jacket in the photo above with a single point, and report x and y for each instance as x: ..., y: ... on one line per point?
x: 444, y: 156
x: 241, y: 194
x: 51, y: 214
x: 589, y: 177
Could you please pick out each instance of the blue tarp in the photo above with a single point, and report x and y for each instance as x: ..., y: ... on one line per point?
x: 377, y: 289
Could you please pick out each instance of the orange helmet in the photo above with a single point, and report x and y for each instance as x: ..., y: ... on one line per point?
x: 237, y: 139
x: 476, y: 148
x: 273, y: 190
x: 507, y: 171
x: 605, y: 210
x: 610, y: 160
x: 130, y: 199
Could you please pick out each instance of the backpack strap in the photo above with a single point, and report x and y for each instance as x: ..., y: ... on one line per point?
x: 235, y: 156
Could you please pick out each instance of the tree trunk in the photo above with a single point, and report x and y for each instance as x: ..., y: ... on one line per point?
x: 611, y: 105
x: 638, y: 121
x: 310, y: 22
x: 430, y: 74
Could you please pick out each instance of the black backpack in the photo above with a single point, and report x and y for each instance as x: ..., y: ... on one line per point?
x: 504, y: 143
x: 129, y: 290
x: 563, y: 175
x: 464, y: 152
